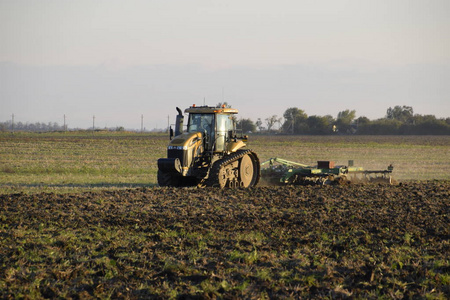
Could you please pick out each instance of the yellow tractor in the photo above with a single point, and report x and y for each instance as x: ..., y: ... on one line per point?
x: 209, y: 152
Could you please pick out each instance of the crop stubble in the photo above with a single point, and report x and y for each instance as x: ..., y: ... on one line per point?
x: 73, y: 162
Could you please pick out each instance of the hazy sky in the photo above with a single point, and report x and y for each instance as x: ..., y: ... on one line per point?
x: 121, y: 59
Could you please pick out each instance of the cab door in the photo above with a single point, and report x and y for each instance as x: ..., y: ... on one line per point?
x: 224, y: 125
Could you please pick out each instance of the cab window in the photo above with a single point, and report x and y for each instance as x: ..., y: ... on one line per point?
x: 203, y: 123
x: 224, y: 124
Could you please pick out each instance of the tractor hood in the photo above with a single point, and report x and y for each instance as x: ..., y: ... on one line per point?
x: 184, y: 140
x: 181, y: 153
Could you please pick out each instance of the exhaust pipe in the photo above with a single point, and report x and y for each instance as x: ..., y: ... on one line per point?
x: 179, y: 123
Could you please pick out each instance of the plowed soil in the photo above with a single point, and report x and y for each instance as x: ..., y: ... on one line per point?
x: 363, y: 241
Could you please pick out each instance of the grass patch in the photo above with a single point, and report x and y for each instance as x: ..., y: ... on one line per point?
x: 80, y: 161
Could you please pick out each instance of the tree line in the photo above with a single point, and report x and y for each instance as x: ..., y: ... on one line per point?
x: 31, y: 127
x: 46, y: 127
x: 399, y: 120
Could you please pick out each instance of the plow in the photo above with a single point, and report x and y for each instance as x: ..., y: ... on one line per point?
x: 284, y: 172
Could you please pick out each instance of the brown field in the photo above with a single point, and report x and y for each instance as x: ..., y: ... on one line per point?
x: 358, y: 241
x: 81, y: 218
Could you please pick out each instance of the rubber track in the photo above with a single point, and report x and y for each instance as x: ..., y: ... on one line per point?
x: 213, y: 178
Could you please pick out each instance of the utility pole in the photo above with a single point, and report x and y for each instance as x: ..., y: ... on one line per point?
x: 142, y: 123
x: 12, y: 123
x: 93, y: 123
x: 168, y: 123
x: 65, y: 128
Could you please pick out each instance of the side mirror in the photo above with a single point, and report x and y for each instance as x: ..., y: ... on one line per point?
x: 170, y: 133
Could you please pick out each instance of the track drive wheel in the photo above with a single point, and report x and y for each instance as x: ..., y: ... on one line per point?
x: 248, y: 171
x: 167, y: 179
x: 222, y: 178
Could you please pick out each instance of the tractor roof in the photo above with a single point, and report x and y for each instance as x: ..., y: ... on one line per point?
x: 210, y: 110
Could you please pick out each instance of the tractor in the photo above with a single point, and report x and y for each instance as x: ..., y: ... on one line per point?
x: 209, y: 152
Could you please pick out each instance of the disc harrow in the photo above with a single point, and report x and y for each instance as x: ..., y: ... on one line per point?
x: 282, y: 171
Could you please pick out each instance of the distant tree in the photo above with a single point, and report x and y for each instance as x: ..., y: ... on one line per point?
x: 400, y: 113
x: 295, y: 121
x: 346, y: 116
x: 329, y: 119
x: 259, y: 124
x: 271, y: 121
x: 362, y: 120
x: 246, y: 125
x: 427, y: 124
x: 380, y: 127
x: 418, y: 119
x: 320, y: 125
x: 344, y: 120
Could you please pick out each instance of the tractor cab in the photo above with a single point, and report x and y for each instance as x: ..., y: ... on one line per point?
x: 215, y: 123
